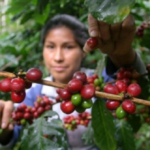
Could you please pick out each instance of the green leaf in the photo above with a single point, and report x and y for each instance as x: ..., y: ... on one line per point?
x: 100, y: 65
x: 125, y: 136
x: 103, y: 126
x: 33, y: 135
x: 88, y: 136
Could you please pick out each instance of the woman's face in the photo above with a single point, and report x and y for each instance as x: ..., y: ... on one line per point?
x: 62, y: 54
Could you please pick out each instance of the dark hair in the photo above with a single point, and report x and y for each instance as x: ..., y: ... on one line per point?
x: 77, y: 27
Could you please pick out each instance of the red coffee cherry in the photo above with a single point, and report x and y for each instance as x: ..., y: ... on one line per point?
x: 109, y: 88
x: 17, y: 84
x: 34, y: 74
x: 121, y: 86
x: 75, y: 85
x: 18, y: 97
x: 81, y: 76
x: 112, y: 104
x: 5, y: 85
x: 92, y: 42
x: 67, y: 107
x: 134, y: 89
x: 87, y: 91
x: 65, y: 94
x: 129, y: 106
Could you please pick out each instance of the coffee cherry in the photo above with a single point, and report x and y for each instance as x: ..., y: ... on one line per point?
x: 40, y: 110
x: 97, y: 82
x: 127, y: 74
x: 129, y: 106
x: 23, y: 121
x: 81, y: 76
x: 17, y: 84
x: 87, y: 104
x: 112, y: 104
x: 65, y: 94
x: 5, y: 85
x: 67, y: 107
x: 18, y: 97
x: 120, y: 112
x: 75, y: 85
x: 92, y: 42
x: 76, y: 99
x: 34, y: 74
x: 121, y: 86
x: 79, y: 109
x: 27, y: 115
x: 120, y: 75
x: 134, y: 89
x: 109, y: 88
x: 87, y: 91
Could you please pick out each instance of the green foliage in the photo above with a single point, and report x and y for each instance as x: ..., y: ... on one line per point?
x: 124, y: 136
x: 33, y: 135
x: 103, y: 126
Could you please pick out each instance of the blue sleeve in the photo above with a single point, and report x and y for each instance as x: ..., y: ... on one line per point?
x: 106, y: 76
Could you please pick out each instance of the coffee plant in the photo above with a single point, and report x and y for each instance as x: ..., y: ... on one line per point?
x: 115, y: 107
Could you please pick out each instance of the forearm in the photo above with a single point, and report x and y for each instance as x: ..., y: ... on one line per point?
x: 138, y: 65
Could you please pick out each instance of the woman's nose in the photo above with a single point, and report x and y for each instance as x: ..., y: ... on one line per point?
x: 58, y: 56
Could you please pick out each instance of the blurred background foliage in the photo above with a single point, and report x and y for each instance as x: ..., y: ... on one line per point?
x: 21, y: 22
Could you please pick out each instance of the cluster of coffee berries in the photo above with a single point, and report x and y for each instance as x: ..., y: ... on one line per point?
x: 77, y: 95
x: 24, y: 113
x: 141, y: 28
x: 125, y: 87
x: 97, y: 82
x: 20, y: 83
x: 71, y: 122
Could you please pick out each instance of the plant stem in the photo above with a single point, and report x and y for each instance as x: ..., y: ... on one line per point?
x: 97, y: 93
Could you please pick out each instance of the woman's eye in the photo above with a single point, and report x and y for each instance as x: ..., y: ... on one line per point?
x: 50, y: 46
x: 69, y: 47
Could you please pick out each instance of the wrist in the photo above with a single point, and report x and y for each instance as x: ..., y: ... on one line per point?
x: 124, y: 60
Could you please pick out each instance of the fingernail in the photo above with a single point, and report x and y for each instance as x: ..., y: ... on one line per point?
x: 93, y: 34
x: 3, y: 125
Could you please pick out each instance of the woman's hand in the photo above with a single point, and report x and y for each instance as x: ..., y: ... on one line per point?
x: 6, y: 108
x: 114, y: 40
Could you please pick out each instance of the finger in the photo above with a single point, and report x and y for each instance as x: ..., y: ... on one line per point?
x: 115, y: 31
x: 93, y: 26
x: 104, y: 31
x: 128, y: 26
x: 7, y: 111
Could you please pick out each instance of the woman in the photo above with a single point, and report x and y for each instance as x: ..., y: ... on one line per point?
x: 63, y: 39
